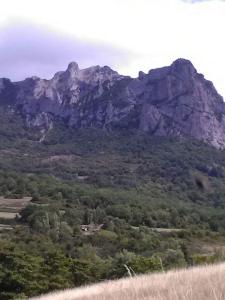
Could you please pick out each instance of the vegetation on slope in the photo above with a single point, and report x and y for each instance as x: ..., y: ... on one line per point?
x: 160, y: 202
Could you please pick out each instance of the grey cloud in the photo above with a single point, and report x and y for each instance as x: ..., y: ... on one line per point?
x: 26, y: 50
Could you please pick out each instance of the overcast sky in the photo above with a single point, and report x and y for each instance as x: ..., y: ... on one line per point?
x: 42, y: 37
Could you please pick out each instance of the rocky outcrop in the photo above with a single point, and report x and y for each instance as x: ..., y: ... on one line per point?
x: 179, y: 101
x: 173, y: 100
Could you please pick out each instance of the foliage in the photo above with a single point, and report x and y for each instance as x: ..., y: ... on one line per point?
x: 160, y: 200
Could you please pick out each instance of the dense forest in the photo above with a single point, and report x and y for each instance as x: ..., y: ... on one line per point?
x: 103, y: 205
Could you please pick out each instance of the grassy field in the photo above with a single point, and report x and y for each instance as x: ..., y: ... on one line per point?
x: 17, y: 204
x: 198, y: 283
x: 7, y: 215
x: 5, y: 227
x: 10, y: 208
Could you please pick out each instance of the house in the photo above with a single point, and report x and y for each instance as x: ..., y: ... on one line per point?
x: 91, y: 228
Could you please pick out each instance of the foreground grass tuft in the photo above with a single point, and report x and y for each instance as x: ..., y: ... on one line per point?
x: 198, y: 283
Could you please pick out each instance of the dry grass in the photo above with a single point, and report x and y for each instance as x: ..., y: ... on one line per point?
x: 166, y: 230
x: 7, y: 215
x: 5, y: 227
x: 18, y: 204
x: 10, y: 208
x: 61, y: 157
x: 199, y: 283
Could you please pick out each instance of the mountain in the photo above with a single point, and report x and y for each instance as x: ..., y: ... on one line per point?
x: 111, y: 161
x: 169, y: 101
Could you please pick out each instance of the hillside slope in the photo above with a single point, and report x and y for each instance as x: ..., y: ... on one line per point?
x: 199, y: 283
x: 156, y: 198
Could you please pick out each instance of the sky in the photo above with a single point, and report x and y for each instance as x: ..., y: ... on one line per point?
x: 42, y: 37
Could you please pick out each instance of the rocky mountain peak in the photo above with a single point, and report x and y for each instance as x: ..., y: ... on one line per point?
x: 3, y: 83
x: 182, y: 64
x: 173, y: 100
x: 98, y: 74
x: 72, y: 70
x: 89, y: 75
x: 183, y: 68
x: 73, y: 67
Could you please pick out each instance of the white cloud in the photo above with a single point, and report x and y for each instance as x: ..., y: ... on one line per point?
x: 157, y: 31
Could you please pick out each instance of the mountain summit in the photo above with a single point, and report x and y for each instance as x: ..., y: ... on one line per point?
x: 173, y: 100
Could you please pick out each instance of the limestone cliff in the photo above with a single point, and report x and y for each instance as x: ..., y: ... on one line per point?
x: 173, y: 100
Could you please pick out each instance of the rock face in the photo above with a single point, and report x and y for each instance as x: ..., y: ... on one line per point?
x: 173, y: 100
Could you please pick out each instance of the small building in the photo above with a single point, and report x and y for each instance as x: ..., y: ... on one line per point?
x: 91, y: 228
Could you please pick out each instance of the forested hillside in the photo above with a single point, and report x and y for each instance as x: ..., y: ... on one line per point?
x: 148, y: 203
